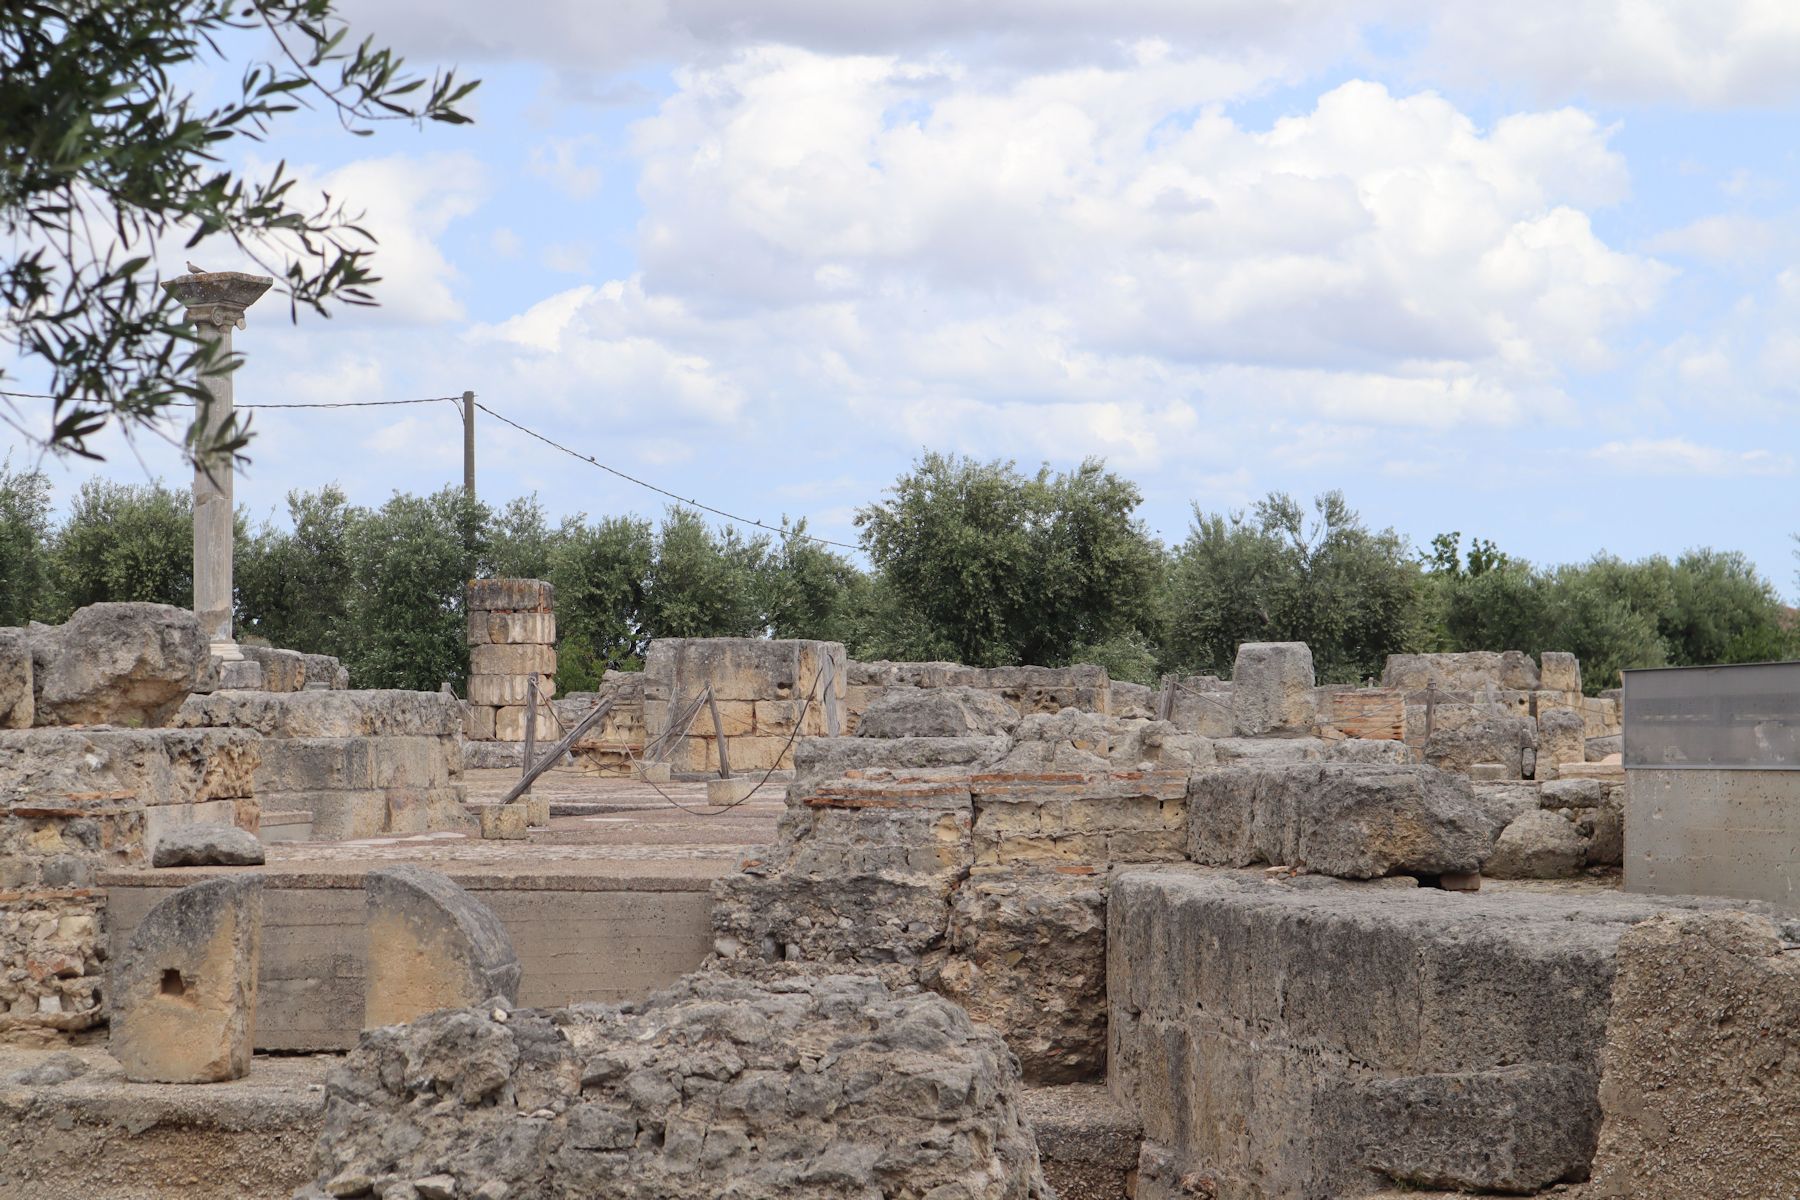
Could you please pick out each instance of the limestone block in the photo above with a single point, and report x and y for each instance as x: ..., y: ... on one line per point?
x: 239, y: 675
x: 817, y: 759
x: 1270, y: 1034
x: 1598, y: 749
x: 431, y: 946
x: 1027, y: 957
x: 1079, y: 818
x: 372, y: 713
x: 204, y: 844
x: 1272, y: 689
x: 313, y: 763
x: 120, y: 664
x: 717, y: 1086
x: 512, y: 660
x: 502, y: 690
x: 1701, y: 1053
x: 1538, y: 845
x: 503, y: 822
x: 320, y: 670
x: 1561, y: 738
x: 15, y: 679
x: 184, y: 992
x: 1470, y: 671
x: 1559, y: 672
x: 1133, y: 700
x: 512, y: 628
x: 479, y: 725
x: 936, y: 712
x: 537, y: 811
x: 511, y: 595
x: 1356, y: 821
x: 509, y: 725
x: 283, y: 670
x: 1496, y: 737
x: 150, y: 766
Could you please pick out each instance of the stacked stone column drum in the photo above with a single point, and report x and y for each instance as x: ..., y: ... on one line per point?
x: 512, y: 636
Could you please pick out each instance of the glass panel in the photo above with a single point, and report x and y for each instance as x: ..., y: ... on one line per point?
x: 1714, y: 717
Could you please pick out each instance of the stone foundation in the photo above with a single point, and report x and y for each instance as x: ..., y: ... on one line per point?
x: 1314, y: 1038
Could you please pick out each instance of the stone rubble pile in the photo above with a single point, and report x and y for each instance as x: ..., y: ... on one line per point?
x: 766, y: 1086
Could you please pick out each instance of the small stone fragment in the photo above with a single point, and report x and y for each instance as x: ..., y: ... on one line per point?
x: 203, y: 844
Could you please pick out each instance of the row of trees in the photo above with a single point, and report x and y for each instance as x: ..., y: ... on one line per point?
x: 970, y: 561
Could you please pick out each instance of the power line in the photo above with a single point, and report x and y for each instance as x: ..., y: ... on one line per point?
x: 661, y: 491
x: 319, y: 404
x: 586, y: 458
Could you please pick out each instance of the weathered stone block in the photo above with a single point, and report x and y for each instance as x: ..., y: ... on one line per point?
x: 203, y: 844
x: 503, y: 822
x: 502, y: 690
x: 184, y: 992
x: 509, y: 725
x: 116, y: 664
x: 1351, y: 820
x: 1270, y: 1034
x: 1470, y: 671
x: 479, y: 724
x: 512, y: 660
x: 937, y: 712
x: 1272, y: 689
x: 1561, y: 738
x: 378, y: 713
x: 512, y: 628
x: 16, y: 705
x: 817, y: 759
x: 283, y: 670
x: 1496, y: 737
x: 1702, y: 1054
x: 1538, y: 845
x: 431, y: 946
x: 1559, y: 672
x: 150, y: 766
x: 511, y: 595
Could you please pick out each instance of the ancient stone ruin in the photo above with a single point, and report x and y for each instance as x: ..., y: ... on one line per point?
x: 1014, y: 932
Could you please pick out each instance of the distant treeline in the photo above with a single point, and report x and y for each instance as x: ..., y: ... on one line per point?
x: 970, y: 561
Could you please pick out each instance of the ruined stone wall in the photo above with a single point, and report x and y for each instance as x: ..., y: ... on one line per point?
x: 75, y: 802
x: 781, y: 1083
x: 360, y: 762
x: 769, y: 693
x: 618, y: 741
x: 1026, y: 689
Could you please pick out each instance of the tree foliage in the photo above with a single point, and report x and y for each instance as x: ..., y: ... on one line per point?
x: 107, y: 154
x: 972, y: 561
x: 979, y: 563
x: 1273, y: 575
x: 26, y: 572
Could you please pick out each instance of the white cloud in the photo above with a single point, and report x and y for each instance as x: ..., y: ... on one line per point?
x: 1709, y: 52
x: 561, y: 162
x: 1679, y: 456
x: 1721, y: 238
x: 1084, y: 255
x: 406, y: 203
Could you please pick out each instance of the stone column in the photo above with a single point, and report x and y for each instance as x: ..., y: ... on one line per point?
x: 215, y: 302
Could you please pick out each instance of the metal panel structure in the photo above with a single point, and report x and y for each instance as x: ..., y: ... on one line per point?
x: 1734, y: 718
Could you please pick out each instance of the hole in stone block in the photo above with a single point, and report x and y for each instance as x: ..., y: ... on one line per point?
x: 172, y: 983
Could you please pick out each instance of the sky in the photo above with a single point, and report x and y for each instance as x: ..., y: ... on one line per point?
x: 1530, y: 272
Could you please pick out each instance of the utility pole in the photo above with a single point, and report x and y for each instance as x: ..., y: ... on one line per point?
x: 469, y: 444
